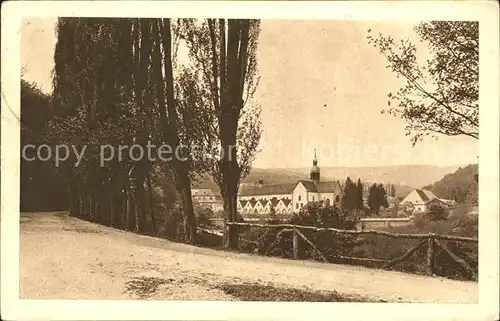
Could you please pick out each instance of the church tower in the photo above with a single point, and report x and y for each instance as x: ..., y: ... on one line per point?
x: 314, y: 174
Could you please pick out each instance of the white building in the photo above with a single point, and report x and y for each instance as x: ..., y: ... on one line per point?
x: 288, y: 198
x: 420, y: 200
x: 207, y: 198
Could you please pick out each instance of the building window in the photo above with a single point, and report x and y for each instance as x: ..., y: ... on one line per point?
x: 297, y: 205
x: 313, y: 198
x: 299, y: 197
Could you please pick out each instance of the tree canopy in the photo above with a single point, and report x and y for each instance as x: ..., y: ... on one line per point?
x: 441, y: 96
x: 377, y: 198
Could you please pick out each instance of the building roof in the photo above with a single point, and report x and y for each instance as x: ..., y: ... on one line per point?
x: 263, y: 202
x: 243, y: 203
x: 429, y: 194
x: 287, y: 189
x: 436, y: 200
x: 274, y: 201
x: 448, y: 202
x: 425, y: 196
x: 309, y: 186
x: 286, y: 201
x: 252, y: 202
x: 201, y: 191
x: 422, y: 195
x: 205, y: 192
x: 279, y: 189
x: 322, y: 187
x: 329, y: 187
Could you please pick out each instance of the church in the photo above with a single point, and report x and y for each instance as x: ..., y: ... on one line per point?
x: 261, y: 199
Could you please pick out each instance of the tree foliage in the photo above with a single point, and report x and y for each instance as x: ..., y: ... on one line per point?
x: 377, y: 198
x: 224, y: 56
x: 94, y: 80
x: 42, y: 189
x: 119, y: 82
x: 436, y: 212
x: 352, y: 197
x: 460, y: 186
x: 104, y: 94
x: 442, y: 95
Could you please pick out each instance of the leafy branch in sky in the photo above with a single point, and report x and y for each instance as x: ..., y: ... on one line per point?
x: 440, y: 97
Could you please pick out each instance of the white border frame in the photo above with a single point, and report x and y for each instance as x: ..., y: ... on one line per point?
x: 484, y: 11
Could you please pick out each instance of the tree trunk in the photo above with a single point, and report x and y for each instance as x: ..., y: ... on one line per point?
x: 97, y: 218
x: 169, y: 124
x: 230, y: 199
x: 141, y: 206
x: 136, y: 219
x: 126, y: 207
x: 187, y: 207
x: 91, y: 207
x: 231, y: 105
x: 85, y: 197
x: 82, y: 204
x: 151, y: 206
x: 141, y: 168
x: 131, y: 213
x: 112, y: 211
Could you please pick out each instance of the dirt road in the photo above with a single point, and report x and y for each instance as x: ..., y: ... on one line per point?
x: 66, y: 258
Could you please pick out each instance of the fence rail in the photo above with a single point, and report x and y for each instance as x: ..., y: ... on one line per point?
x: 431, y: 240
x: 340, y: 231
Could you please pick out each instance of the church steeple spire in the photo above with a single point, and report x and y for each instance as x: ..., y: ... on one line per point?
x: 314, y: 174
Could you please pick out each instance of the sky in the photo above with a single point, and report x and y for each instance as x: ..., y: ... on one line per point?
x: 322, y: 87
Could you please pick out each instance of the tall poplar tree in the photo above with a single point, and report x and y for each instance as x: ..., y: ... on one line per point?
x: 224, y: 54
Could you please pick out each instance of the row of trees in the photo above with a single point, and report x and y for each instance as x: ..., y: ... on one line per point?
x: 353, y: 196
x: 121, y: 81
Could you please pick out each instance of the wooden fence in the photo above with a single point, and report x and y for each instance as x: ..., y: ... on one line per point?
x: 431, y: 240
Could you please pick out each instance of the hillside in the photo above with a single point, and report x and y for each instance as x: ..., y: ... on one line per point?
x: 456, y: 185
x: 409, y: 175
x: 405, y: 178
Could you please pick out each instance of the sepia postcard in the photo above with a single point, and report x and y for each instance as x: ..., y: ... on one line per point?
x: 250, y: 160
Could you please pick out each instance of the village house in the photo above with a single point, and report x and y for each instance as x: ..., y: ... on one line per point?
x: 207, y: 198
x: 420, y: 200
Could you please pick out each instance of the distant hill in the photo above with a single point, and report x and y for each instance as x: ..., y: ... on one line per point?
x: 270, y: 176
x: 409, y: 175
x: 456, y: 185
x: 405, y: 178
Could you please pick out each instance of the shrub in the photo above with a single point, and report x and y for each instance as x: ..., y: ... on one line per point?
x: 171, y: 225
x: 436, y: 212
x: 330, y: 244
x: 203, y: 216
x: 258, y: 239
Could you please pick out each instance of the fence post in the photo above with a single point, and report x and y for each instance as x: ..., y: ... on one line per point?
x: 430, y: 254
x: 295, y: 245
x: 227, y: 235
